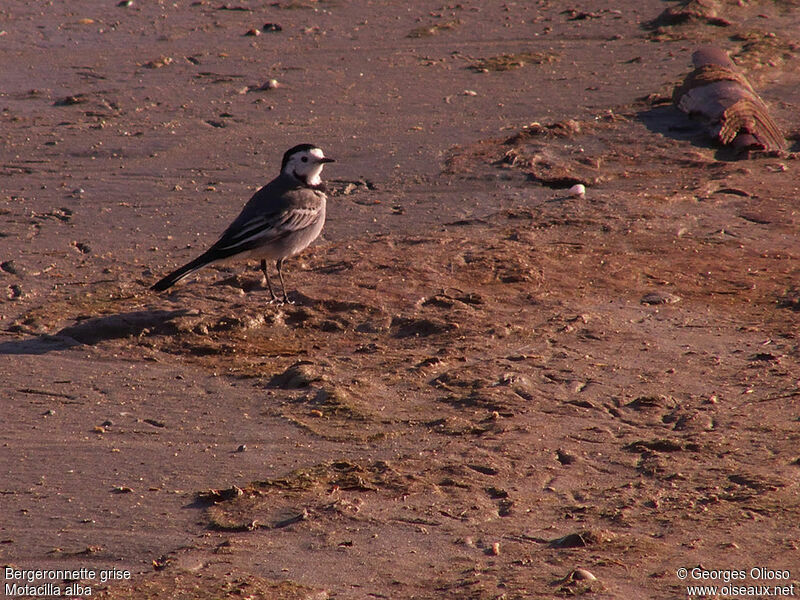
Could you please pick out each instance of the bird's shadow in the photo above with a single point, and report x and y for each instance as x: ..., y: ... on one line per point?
x: 90, y: 331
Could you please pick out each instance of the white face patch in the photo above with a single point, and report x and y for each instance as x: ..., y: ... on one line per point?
x: 305, y: 165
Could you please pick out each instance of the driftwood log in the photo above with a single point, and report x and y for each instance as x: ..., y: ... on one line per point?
x: 721, y: 97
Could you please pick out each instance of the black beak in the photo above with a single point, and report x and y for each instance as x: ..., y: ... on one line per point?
x: 326, y: 160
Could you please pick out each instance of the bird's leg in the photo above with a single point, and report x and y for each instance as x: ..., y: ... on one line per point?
x: 269, y: 283
x: 283, y: 285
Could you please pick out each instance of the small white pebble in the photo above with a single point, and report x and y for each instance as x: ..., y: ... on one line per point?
x: 578, y: 190
x: 583, y: 574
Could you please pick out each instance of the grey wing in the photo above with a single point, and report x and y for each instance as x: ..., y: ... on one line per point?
x: 263, y: 222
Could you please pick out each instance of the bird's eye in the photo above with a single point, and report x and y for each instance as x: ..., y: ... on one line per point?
x: 304, y: 159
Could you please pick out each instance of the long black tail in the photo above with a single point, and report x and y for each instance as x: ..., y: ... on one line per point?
x: 186, y: 270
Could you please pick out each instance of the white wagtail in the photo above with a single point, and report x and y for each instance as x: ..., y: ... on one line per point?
x: 279, y: 221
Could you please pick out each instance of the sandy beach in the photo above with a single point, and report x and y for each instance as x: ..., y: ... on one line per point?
x: 488, y: 386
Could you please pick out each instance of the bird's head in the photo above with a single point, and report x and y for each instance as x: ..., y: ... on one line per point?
x: 304, y: 163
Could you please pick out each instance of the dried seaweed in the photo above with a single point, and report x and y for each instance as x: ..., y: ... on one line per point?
x: 732, y: 111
